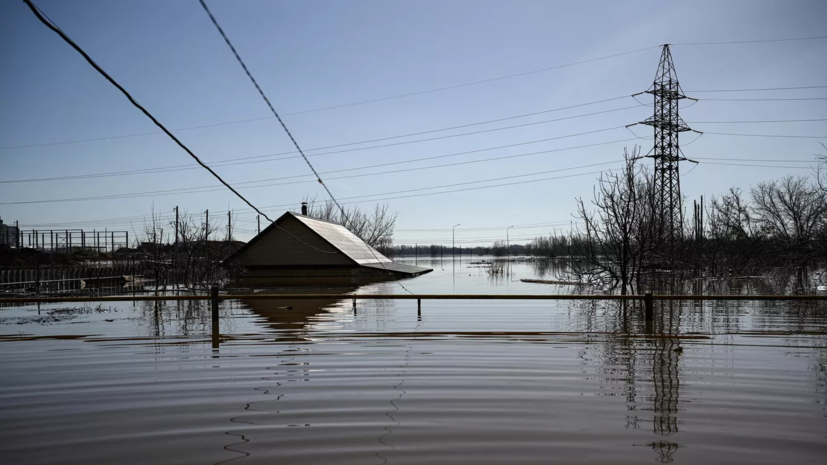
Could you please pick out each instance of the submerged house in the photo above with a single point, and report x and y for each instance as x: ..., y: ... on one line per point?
x: 298, y: 249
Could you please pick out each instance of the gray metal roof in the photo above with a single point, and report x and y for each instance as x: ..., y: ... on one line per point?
x: 344, y: 240
x: 400, y: 268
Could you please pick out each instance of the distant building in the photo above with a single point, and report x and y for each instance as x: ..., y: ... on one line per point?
x: 9, y: 235
x: 298, y: 249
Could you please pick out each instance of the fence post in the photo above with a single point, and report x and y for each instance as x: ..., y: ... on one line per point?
x: 214, y: 301
x: 648, y: 301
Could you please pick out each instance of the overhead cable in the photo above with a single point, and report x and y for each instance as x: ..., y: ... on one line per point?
x: 109, y: 78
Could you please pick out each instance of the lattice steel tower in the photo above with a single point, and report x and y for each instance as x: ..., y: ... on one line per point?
x: 666, y: 151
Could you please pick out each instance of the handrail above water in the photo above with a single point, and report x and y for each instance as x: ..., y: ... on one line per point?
x: 672, y: 297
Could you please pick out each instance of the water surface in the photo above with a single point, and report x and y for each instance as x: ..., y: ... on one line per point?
x: 467, y: 382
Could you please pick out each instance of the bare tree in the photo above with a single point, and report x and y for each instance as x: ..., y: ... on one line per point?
x: 610, y: 243
x: 375, y: 228
x: 792, y: 214
x: 155, y: 253
x: 199, y: 260
x: 790, y: 209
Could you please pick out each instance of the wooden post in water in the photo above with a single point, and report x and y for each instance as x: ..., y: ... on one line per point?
x: 214, y: 301
x: 418, y: 307
x: 649, y: 302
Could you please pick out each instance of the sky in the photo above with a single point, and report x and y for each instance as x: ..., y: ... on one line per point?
x: 351, y: 72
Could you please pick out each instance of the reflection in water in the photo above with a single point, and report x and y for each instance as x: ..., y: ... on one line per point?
x: 289, y: 319
x: 384, y: 439
x: 481, y: 382
x: 666, y: 379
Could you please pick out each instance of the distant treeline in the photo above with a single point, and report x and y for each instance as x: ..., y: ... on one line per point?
x: 539, y: 246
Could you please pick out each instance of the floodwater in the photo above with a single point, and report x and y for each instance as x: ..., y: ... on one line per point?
x: 467, y: 382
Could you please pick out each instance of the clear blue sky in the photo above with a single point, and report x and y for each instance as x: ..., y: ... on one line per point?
x: 317, y: 54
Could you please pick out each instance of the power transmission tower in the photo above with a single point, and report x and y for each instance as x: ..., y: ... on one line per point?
x: 666, y: 152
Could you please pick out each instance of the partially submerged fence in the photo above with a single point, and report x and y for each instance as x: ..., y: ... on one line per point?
x: 45, y: 278
x: 215, y: 298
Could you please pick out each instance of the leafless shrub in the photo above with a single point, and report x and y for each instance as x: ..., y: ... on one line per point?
x: 183, y: 254
x: 375, y: 227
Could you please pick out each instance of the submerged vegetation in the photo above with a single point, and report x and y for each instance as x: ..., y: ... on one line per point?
x: 778, y: 228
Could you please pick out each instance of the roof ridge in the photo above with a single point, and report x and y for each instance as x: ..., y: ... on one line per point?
x: 299, y: 215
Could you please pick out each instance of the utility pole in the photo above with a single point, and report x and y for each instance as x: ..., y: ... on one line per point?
x: 176, y: 225
x: 453, y: 240
x: 454, y: 247
x: 229, y: 226
x: 258, y: 221
x: 207, y: 230
x: 508, y: 243
x: 666, y: 152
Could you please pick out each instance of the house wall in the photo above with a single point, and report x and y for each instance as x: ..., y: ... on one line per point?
x: 313, y: 276
x: 277, y: 248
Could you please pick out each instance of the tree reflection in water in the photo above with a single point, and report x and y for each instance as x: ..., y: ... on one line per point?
x: 666, y: 351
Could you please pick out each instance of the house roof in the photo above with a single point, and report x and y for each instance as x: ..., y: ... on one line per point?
x: 399, y: 267
x: 334, y: 234
x: 344, y: 240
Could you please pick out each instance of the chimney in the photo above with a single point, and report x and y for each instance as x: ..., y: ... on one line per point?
x: 304, y: 208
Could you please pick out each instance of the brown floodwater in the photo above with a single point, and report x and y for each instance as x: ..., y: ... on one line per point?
x: 467, y: 382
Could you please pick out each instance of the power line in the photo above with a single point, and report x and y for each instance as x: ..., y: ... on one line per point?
x: 430, y: 131
x: 467, y: 84
x: 483, y: 228
x: 760, y: 99
x: 759, y: 166
x: 284, y: 126
x: 205, y: 189
x: 517, y: 183
x: 201, y: 189
x: 764, y: 135
x: 484, y: 180
x: 267, y: 101
x: 762, y: 121
x: 100, y: 70
x: 758, y: 41
x: 756, y: 159
x: 468, y: 188
x: 221, y: 163
x: 138, y: 134
x: 761, y: 89
x: 426, y: 158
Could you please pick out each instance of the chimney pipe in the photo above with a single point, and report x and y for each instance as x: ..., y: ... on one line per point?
x: 304, y: 208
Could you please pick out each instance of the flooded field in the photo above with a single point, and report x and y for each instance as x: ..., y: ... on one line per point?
x: 466, y: 382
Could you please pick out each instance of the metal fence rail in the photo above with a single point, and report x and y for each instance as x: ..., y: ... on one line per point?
x: 220, y: 297
x: 215, y: 298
